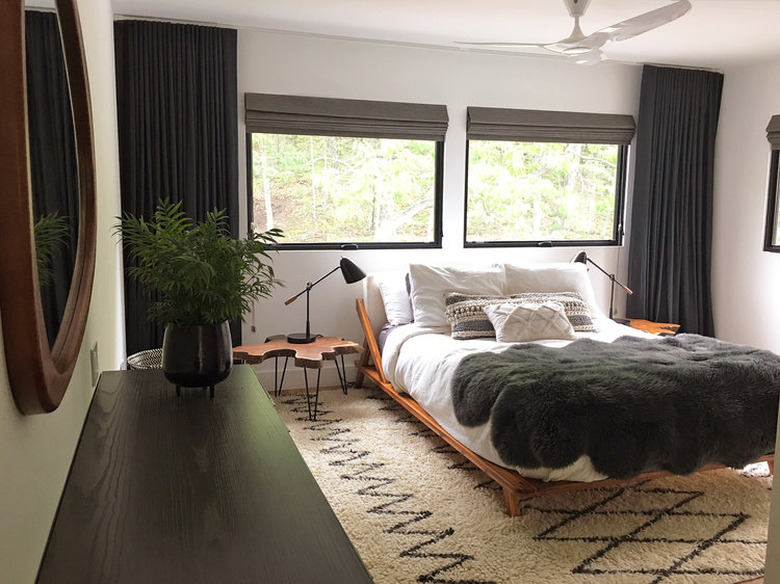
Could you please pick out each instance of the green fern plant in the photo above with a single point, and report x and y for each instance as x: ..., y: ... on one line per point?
x: 203, y: 276
x: 51, y: 231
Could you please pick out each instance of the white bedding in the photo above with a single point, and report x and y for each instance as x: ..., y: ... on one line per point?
x: 421, y: 362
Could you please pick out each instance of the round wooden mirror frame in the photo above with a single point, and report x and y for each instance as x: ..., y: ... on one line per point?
x: 39, y: 374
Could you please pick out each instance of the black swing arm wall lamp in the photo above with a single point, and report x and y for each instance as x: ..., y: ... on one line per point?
x: 351, y: 273
x: 582, y: 258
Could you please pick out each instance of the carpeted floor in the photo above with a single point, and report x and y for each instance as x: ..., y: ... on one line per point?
x: 417, y: 511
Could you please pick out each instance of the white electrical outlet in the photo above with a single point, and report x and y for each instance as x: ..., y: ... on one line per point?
x: 93, y: 361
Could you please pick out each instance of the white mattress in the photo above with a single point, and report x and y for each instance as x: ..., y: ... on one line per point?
x: 421, y: 362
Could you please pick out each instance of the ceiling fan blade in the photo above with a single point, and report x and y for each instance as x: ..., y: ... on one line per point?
x: 499, y: 44
x: 589, y: 58
x: 644, y: 22
x: 586, y: 49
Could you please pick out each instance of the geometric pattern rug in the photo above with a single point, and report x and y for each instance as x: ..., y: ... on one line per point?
x: 417, y: 511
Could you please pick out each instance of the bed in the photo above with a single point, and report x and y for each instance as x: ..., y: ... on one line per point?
x: 433, y: 332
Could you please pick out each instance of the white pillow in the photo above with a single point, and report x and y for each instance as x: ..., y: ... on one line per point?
x: 395, y: 297
x: 519, y: 323
x: 431, y: 283
x: 551, y: 277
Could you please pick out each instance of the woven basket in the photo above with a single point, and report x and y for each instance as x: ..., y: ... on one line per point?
x: 150, y: 359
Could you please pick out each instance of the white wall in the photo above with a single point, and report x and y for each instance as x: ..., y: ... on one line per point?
x: 36, y: 451
x: 745, y: 279
x: 298, y: 65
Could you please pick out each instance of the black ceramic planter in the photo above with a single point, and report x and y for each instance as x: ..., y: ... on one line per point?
x: 197, y: 355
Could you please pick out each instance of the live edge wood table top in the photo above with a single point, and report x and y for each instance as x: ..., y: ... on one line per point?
x: 309, y: 355
x: 167, y: 489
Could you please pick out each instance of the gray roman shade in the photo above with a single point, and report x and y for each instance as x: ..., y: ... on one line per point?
x: 485, y: 123
x: 773, y: 132
x: 288, y: 114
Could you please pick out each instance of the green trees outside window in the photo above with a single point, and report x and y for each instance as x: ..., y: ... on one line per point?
x: 333, y: 190
x: 543, y: 191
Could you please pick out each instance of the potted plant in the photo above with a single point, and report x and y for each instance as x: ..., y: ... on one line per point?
x: 204, y: 279
x: 51, y: 233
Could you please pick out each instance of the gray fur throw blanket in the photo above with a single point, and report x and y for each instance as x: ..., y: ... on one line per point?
x: 634, y: 405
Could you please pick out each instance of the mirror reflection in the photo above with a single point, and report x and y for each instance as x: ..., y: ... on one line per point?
x: 53, y: 163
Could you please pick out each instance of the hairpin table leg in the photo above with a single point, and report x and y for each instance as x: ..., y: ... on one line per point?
x: 312, y: 414
x: 278, y: 386
x: 342, y: 371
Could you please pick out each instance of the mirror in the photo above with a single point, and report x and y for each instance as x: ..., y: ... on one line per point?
x: 53, y: 167
x: 39, y: 373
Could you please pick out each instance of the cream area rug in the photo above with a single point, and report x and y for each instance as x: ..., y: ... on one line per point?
x: 417, y: 511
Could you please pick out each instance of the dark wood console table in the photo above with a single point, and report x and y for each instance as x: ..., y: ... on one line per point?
x: 167, y: 489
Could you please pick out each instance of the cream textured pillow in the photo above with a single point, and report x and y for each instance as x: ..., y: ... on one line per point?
x: 519, y: 323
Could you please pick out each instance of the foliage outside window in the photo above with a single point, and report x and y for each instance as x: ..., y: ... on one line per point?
x: 326, y: 191
x: 542, y: 177
x: 334, y: 172
x: 531, y: 193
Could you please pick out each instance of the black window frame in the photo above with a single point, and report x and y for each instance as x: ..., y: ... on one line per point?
x: 341, y: 123
x: 507, y: 125
x: 772, y: 211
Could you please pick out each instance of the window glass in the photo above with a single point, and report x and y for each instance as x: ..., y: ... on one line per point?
x: 325, y: 191
x: 524, y: 193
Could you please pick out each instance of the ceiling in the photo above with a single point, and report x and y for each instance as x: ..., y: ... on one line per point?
x: 714, y: 34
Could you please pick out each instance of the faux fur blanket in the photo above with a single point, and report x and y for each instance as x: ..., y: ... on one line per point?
x: 673, y: 403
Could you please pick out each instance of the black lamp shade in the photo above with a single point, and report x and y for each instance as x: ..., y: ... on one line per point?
x: 350, y: 271
x: 580, y: 258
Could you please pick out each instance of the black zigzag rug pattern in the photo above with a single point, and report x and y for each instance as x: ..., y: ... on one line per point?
x: 669, y: 531
x: 402, y: 514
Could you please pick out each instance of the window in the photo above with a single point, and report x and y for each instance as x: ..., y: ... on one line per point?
x: 772, y: 230
x: 333, y: 172
x: 545, y: 178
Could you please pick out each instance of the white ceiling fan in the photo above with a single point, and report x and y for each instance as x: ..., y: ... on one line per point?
x: 586, y: 49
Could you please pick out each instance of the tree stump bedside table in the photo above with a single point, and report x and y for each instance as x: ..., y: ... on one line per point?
x: 664, y: 329
x: 307, y: 356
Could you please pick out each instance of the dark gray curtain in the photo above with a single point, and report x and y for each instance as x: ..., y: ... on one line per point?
x: 177, y: 102
x: 53, y: 167
x: 671, y: 218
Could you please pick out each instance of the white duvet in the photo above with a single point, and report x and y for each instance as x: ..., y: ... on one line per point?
x: 421, y: 361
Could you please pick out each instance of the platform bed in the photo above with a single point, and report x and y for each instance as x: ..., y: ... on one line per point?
x: 516, y: 488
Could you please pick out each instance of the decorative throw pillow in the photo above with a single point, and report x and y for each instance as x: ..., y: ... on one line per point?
x: 576, y: 309
x: 468, y: 320
x: 519, y: 323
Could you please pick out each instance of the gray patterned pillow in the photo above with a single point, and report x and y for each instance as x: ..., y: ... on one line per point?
x: 468, y: 320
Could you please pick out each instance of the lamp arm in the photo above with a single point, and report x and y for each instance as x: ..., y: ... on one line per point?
x: 612, y: 277
x: 626, y: 289
x: 310, y: 285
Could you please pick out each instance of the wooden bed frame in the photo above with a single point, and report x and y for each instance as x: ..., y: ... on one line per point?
x: 516, y: 488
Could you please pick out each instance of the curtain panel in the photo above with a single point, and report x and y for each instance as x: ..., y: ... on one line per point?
x: 54, y: 181
x: 671, y: 219
x: 177, y: 106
